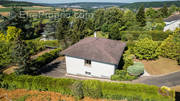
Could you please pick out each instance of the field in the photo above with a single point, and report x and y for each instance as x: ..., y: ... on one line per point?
x: 160, y: 66
x: 30, y: 95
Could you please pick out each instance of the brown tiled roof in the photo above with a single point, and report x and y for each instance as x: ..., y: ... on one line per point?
x: 97, y: 49
x: 172, y: 18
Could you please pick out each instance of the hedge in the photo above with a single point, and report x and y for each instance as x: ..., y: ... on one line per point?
x: 44, y: 59
x: 91, y: 88
x: 134, y: 35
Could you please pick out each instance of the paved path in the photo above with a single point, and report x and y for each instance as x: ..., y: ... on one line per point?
x: 169, y: 80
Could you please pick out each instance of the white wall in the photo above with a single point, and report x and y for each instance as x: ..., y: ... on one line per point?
x: 172, y: 25
x: 97, y: 69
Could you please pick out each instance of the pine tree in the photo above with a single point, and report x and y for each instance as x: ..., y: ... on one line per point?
x: 140, y: 16
x: 22, y: 57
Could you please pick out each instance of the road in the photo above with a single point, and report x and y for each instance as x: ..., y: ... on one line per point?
x: 169, y: 80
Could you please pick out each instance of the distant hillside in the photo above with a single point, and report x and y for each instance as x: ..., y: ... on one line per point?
x: 17, y: 3
x: 87, y: 4
x: 151, y: 4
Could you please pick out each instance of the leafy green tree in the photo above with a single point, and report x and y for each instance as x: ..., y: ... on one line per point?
x: 140, y: 16
x: 129, y: 18
x: 145, y: 49
x: 63, y: 30
x: 164, y: 11
x: 99, y: 18
x: 113, y: 15
x: 172, y: 9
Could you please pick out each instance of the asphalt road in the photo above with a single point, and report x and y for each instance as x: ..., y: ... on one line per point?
x: 169, y: 80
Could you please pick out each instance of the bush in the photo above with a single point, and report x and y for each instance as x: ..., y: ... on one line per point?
x: 170, y: 47
x: 128, y: 59
x: 92, y: 88
x: 77, y: 89
x: 145, y: 49
x: 136, y: 69
x: 156, y: 35
x: 122, y: 75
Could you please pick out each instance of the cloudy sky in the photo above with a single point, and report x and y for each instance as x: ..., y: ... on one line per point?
x: 68, y: 1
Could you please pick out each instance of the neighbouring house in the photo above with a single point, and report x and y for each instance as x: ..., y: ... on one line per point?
x: 95, y: 57
x: 172, y: 22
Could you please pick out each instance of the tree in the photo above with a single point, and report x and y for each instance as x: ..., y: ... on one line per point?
x: 140, y: 16
x: 19, y: 19
x: 170, y: 47
x: 172, y: 9
x: 22, y: 57
x: 63, y: 31
x: 145, y: 49
x: 99, y: 18
x: 164, y: 11
x: 129, y: 18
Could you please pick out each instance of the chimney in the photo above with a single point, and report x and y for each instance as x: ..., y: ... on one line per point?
x: 95, y: 34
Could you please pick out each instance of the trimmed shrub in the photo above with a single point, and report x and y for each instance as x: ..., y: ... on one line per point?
x: 77, y: 89
x: 122, y: 75
x: 156, y: 35
x: 145, y: 49
x: 92, y: 88
x: 142, y: 36
x: 136, y: 69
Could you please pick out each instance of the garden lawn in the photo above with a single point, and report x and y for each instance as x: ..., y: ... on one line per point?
x: 160, y: 66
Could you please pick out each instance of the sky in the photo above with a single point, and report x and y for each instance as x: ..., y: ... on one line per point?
x: 69, y: 1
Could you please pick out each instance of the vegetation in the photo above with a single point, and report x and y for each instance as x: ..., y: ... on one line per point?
x: 156, y: 35
x: 136, y: 69
x: 170, y: 47
x: 122, y: 75
x: 91, y: 88
x: 145, y: 49
x: 140, y: 16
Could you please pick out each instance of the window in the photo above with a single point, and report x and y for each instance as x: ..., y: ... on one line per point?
x: 87, y: 62
x: 88, y: 73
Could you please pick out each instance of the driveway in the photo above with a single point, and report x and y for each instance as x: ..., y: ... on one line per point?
x: 56, y: 68
x: 169, y: 80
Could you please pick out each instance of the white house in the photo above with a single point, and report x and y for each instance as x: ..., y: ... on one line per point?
x: 95, y: 57
x: 172, y: 22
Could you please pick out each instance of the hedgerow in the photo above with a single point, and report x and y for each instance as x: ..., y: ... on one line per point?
x: 134, y: 35
x: 91, y: 88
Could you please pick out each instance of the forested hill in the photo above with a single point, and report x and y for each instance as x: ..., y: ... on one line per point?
x: 88, y: 4
x: 7, y: 3
x: 152, y: 4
